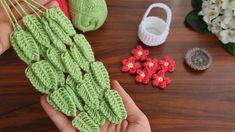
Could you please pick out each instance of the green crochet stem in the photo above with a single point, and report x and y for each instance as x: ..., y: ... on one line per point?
x: 62, y: 65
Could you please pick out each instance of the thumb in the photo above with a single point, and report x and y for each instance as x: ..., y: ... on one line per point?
x: 4, y: 36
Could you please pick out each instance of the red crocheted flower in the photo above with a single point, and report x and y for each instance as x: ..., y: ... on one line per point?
x: 152, y: 65
x: 167, y: 64
x: 159, y: 80
x: 143, y: 76
x: 130, y: 65
x: 140, y: 54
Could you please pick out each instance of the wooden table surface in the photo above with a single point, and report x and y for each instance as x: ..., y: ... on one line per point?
x: 194, y: 101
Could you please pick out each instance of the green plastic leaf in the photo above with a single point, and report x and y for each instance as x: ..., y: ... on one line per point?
x: 71, y: 67
x: 196, y: 4
x: 196, y: 22
x: 116, y: 104
x: 63, y: 100
x: 230, y: 48
x: 57, y: 43
x: 79, y: 58
x: 84, y: 47
x: 101, y: 74
x: 88, y: 92
x: 58, y: 16
x: 55, y: 59
x: 36, y: 29
x: 97, y: 116
x: 84, y: 123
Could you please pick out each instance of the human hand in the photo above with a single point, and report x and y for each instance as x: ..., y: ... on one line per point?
x: 136, y: 120
x: 6, y: 26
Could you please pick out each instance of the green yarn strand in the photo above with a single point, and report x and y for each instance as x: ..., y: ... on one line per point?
x: 84, y: 123
x: 36, y: 29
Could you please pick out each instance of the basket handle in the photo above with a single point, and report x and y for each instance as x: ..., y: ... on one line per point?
x: 163, y: 6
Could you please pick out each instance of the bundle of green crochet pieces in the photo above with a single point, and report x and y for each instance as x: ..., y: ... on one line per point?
x: 61, y: 64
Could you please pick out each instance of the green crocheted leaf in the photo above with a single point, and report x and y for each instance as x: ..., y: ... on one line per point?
x: 19, y: 52
x: 96, y: 115
x: 45, y: 73
x: 57, y: 15
x: 36, y: 82
x: 107, y: 111
x: 36, y: 29
x: 84, y: 47
x: 79, y: 58
x: 57, y: 43
x: 115, y: 102
x: 60, y: 77
x: 71, y: 82
x: 59, y: 32
x: 99, y: 90
x: 54, y: 58
x: 52, y: 103
x: 79, y: 103
x: 63, y: 100
x: 101, y: 74
x: 25, y: 45
x: 71, y: 67
x: 88, y: 93
x: 84, y: 123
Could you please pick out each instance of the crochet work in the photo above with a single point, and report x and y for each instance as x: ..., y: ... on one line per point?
x: 62, y: 65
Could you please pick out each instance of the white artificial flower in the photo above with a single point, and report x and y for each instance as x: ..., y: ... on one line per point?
x: 226, y: 4
x: 211, y: 12
x: 215, y: 26
x: 229, y: 18
x: 227, y: 36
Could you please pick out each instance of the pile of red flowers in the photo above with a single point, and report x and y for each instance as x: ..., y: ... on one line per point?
x: 146, y: 68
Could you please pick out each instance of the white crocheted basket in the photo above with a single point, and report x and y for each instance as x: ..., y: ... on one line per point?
x: 153, y: 31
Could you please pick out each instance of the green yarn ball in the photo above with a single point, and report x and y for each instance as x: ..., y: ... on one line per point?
x: 88, y: 15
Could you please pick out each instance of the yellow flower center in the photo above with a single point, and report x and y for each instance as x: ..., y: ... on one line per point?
x: 130, y: 65
x: 151, y: 64
x: 160, y: 79
x: 140, y: 53
x: 142, y: 75
x: 166, y: 64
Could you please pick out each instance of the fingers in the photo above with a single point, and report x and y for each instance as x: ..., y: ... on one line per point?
x: 46, y: 3
x: 134, y: 113
x: 60, y: 120
x: 5, y: 32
